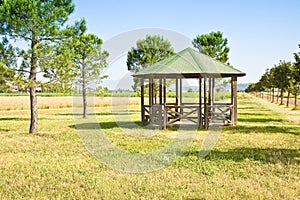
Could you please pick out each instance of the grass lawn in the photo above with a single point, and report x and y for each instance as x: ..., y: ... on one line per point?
x: 258, y: 159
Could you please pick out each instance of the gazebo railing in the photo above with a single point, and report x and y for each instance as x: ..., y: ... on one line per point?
x: 219, y: 114
x: 167, y: 115
x: 176, y: 113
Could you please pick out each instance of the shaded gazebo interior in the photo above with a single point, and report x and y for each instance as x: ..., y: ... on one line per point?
x: 203, y: 111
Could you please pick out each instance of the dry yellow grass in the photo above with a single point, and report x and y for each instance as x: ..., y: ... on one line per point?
x: 22, y: 102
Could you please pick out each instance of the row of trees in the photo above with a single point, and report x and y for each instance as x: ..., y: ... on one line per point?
x: 36, y: 40
x: 283, y: 77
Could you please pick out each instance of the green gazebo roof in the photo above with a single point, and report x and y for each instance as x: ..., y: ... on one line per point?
x: 189, y: 63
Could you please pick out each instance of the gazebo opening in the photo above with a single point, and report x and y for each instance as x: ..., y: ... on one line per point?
x: 169, y: 77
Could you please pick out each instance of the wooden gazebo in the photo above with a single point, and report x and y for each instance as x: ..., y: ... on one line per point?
x: 187, y: 64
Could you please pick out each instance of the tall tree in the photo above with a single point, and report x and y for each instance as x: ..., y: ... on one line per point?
x: 272, y: 79
x: 281, y: 75
x: 214, y: 45
x: 90, y: 60
x: 7, y: 59
x: 296, y: 76
x: 58, y: 67
x: 148, y: 51
x: 33, y: 22
x: 266, y: 81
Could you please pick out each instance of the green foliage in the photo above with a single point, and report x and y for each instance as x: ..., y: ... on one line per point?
x: 147, y: 52
x: 101, y: 91
x: 214, y: 45
x: 282, y: 73
x: 7, y: 59
x: 34, y: 20
x: 89, y: 58
x: 296, y: 70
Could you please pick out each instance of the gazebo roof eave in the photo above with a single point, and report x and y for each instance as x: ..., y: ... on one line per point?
x: 188, y: 75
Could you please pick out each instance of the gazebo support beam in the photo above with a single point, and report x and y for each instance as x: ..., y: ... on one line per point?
x: 176, y: 92
x: 160, y: 91
x: 213, y: 91
x: 180, y: 92
x: 165, y: 91
x: 200, y: 104
x: 205, y: 105
x: 142, y: 101
x: 234, y: 99
x: 209, y: 91
x: 150, y: 93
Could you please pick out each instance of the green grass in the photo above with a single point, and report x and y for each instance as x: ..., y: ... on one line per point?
x: 258, y: 159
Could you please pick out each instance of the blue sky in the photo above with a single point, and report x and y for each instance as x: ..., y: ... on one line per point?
x: 260, y: 33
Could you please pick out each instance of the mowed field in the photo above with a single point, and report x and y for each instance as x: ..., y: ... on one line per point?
x: 258, y: 159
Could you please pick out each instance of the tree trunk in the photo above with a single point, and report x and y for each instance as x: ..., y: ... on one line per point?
x: 288, y: 99
x: 273, y: 96
x: 295, y: 101
x: 281, y: 96
x: 277, y: 95
x: 84, y: 92
x: 32, y: 89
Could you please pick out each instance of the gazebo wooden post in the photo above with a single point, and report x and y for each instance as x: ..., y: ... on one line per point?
x: 200, y: 104
x: 165, y: 91
x: 213, y: 91
x: 234, y: 99
x: 150, y: 91
x: 142, y: 101
x: 180, y: 91
x: 164, y: 104
x: 160, y: 90
x: 180, y: 96
x: 209, y: 91
x: 163, y: 113
x: 176, y: 95
x: 205, y: 105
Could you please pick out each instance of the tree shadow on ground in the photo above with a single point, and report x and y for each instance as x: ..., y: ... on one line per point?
x: 98, y: 114
x: 18, y: 119
x: 127, y: 125
x: 229, y: 130
x: 256, y: 114
x: 263, y: 155
x: 4, y: 130
x: 253, y: 109
x: 107, y: 125
x: 263, y: 129
x: 260, y: 120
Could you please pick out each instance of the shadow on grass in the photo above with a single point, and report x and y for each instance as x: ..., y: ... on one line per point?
x: 236, y: 129
x: 4, y: 130
x: 130, y: 125
x: 254, y: 114
x: 260, y: 120
x: 264, y: 155
x: 17, y: 119
x: 107, y: 125
x: 254, y: 109
x: 263, y: 129
x: 99, y: 114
